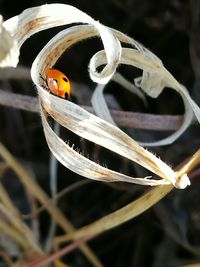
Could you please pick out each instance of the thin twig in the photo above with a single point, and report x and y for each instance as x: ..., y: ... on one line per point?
x: 19, y: 73
x: 124, y: 119
x: 23, y: 102
x: 43, y: 261
x: 65, y: 191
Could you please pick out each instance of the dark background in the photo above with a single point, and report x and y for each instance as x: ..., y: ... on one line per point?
x: 169, y: 234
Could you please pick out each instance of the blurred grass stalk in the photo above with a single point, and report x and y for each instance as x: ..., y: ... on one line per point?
x: 39, y: 194
x: 114, y: 219
x: 133, y: 209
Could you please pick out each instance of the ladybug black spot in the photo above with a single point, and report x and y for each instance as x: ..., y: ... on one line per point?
x: 66, y: 95
x: 64, y: 79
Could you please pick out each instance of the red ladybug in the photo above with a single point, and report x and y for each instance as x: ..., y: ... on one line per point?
x: 57, y: 83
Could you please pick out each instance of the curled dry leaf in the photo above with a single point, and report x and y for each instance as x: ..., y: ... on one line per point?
x: 98, y: 99
x: 71, y: 116
x: 154, y: 76
x: 87, y: 125
x: 105, y: 134
x: 99, y: 104
x: 9, y: 52
x: 78, y: 162
x: 118, y: 78
x: 33, y: 20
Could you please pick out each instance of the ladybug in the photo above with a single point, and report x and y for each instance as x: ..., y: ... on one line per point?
x: 57, y: 83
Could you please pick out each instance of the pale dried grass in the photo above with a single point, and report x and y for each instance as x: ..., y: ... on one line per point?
x: 102, y: 131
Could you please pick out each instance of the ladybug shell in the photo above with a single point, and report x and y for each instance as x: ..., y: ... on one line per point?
x: 58, y: 83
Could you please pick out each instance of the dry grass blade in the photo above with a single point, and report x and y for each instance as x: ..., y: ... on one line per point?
x: 32, y: 186
x: 17, y: 227
x: 100, y: 106
x: 82, y: 165
x: 58, y: 254
x: 133, y: 209
x: 122, y: 215
x: 99, y: 131
x: 7, y: 202
x: 161, y: 77
x: 16, y: 237
x: 36, y: 19
x: 7, y: 259
x: 85, y: 124
x: 9, y: 53
x: 118, y: 78
x: 27, y: 236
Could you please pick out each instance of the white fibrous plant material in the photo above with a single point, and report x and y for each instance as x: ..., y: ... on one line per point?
x: 101, y: 130
x: 156, y: 77
x: 9, y: 52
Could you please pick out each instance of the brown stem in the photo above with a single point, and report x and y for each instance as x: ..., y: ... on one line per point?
x: 122, y: 118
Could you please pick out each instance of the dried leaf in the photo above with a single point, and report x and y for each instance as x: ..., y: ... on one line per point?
x: 154, y: 79
x: 9, y: 53
x: 85, y: 124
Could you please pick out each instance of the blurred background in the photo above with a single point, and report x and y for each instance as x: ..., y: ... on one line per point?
x: 168, y: 234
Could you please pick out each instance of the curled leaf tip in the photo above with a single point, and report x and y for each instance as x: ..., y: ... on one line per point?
x: 182, y: 182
